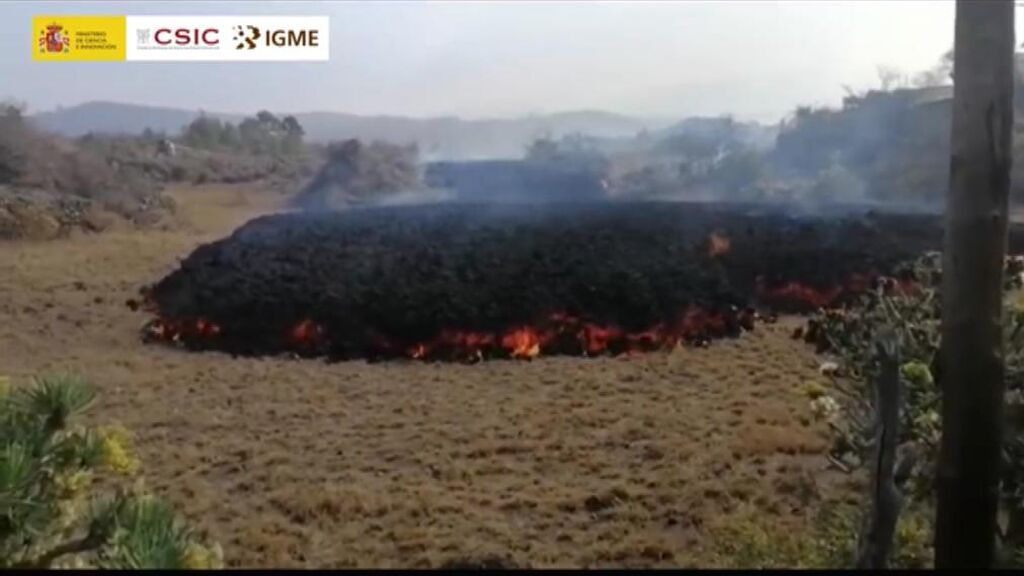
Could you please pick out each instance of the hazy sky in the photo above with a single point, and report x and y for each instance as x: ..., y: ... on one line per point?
x: 756, y: 59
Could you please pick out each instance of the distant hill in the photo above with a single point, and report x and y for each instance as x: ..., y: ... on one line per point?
x: 446, y: 138
x: 114, y: 118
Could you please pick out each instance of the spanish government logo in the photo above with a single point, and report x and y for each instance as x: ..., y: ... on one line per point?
x: 73, y: 38
x: 54, y: 39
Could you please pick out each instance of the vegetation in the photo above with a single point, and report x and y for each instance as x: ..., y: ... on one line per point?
x: 51, y: 514
x: 572, y: 152
x: 357, y: 173
x: 914, y: 317
x: 747, y: 540
x: 890, y: 144
x: 699, y: 158
x: 33, y: 159
x: 260, y: 148
x: 149, y: 156
x: 50, y: 184
x: 264, y: 133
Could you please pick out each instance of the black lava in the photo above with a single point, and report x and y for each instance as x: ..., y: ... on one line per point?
x: 403, y: 274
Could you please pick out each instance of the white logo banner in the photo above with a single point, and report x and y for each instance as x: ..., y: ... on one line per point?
x: 228, y: 38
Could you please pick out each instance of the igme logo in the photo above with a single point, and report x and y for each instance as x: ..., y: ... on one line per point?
x: 247, y: 37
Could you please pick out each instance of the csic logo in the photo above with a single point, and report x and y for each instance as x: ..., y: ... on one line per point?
x: 187, y: 37
x: 170, y: 37
x: 248, y: 37
x: 54, y: 39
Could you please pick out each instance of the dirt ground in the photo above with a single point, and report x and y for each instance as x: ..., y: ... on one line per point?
x: 556, y: 462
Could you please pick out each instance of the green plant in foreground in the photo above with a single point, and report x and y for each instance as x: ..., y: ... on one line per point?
x: 49, y: 515
x: 914, y: 316
x: 748, y: 539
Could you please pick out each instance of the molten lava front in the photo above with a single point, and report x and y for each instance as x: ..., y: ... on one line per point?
x: 466, y: 283
x: 559, y: 334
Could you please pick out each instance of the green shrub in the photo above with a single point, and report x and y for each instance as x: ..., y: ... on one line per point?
x: 49, y: 513
x: 748, y: 539
x: 914, y: 318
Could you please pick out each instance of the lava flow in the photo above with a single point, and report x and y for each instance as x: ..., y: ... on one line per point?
x: 467, y: 283
x: 191, y: 329
x: 560, y: 333
x: 798, y: 297
x: 718, y: 244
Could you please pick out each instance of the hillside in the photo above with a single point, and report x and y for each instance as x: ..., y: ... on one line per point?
x: 444, y: 138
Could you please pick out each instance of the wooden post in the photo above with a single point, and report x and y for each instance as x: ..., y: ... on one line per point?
x: 975, y: 245
x: 877, y: 538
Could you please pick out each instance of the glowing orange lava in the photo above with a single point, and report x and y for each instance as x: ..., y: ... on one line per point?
x: 177, y: 330
x: 521, y: 343
x: 305, y: 333
x: 558, y: 333
x: 718, y: 244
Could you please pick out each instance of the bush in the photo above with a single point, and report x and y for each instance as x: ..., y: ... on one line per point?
x: 913, y: 316
x: 15, y: 148
x: 149, y: 159
x: 357, y: 173
x: 30, y: 158
x: 746, y: 540
x: 49, y: 184
x: 49, y: 515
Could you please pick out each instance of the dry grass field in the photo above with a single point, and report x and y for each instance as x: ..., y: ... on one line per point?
x: 556, y: 462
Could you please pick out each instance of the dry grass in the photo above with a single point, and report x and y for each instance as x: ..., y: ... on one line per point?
x: 557, y: 462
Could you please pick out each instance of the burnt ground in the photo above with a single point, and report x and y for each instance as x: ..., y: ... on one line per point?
x: 561, y: 461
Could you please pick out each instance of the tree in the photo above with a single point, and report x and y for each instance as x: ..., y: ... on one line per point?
x: 890, y: 78
x: 939, y: 75
x: 293, y: 133
x: 267, y: 119
x: 292, y: 126
x: 971, y: 355
x: 253, y: 136
x: 264, y: 134
x: 203, y: 132
x: 229, y: 137
x: 14, y: 155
